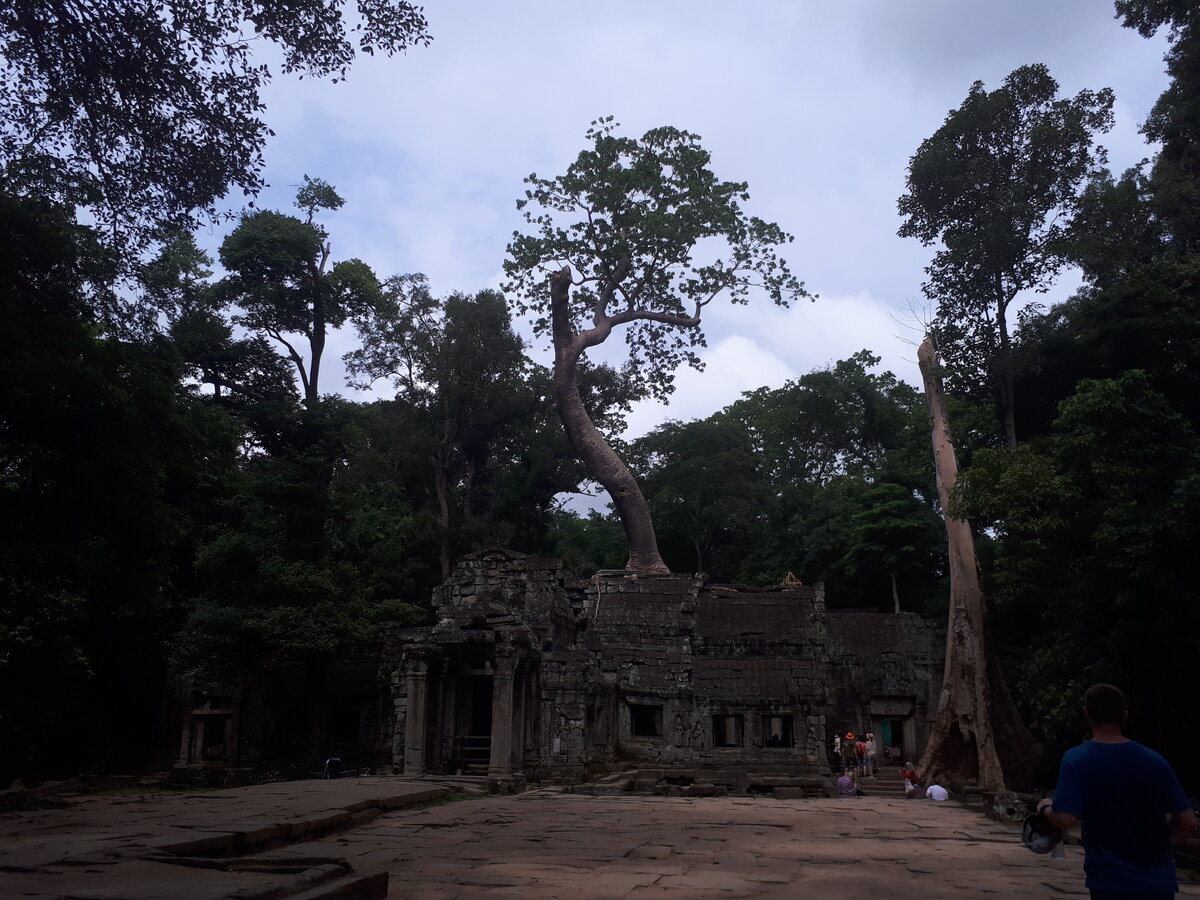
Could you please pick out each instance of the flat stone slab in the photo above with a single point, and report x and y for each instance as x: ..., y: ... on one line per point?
x: 540, y: 844
x: 547, y: 843
x: 187, y: 845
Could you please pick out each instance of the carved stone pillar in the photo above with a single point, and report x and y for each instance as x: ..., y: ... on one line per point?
x: 415, y: 717
x: 500, y: 764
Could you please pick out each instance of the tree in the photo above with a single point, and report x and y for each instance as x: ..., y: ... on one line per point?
x: 996, y: 185
x: 457, y: 366
x: 894, y: 539
x: 281, y: 279
x: 629, y: 217
x: 1174, y: 122
x: 1097, y: 520
x: 841, y: 420
x: 145, y: 112
x: 705, y: 488
x: 105, y: 462
x: 977, y: 733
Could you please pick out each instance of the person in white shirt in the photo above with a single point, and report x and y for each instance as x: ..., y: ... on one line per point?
x: 936, y: 792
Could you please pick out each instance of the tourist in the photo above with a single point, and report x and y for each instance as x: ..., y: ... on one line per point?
x: 872, y: 749
x: 860, y: 757
x: 848, y: 751
x: 936, y: 792
x: 847, y: 786
x: 1129, y: 801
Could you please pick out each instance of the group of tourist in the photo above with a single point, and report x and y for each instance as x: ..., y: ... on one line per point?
x: 856, y: 754
x: 912, y: 790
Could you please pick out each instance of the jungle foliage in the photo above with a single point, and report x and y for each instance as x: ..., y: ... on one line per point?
x: 179, y: 490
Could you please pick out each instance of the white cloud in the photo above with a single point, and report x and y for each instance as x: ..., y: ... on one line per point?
x: 818, y: 106
x: 769, y: 346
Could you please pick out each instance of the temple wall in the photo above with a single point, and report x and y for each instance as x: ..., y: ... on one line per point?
x: 631, y: 670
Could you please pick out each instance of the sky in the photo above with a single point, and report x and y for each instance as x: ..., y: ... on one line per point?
x: 817, y: 104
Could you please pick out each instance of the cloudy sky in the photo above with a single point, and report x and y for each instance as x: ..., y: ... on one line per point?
x: 818, y: 104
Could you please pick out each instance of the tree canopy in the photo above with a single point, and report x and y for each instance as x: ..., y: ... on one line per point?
x: 996, y: 185
x: 147, y: 112
x: 637, y: 233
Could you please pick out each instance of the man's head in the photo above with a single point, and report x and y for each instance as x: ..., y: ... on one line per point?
x: 1104, y: 705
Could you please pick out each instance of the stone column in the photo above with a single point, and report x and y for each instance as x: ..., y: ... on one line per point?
x: 415, y: 716
x: 500, y: 764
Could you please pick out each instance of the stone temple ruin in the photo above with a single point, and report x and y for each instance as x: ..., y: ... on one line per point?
x: 532, y: 674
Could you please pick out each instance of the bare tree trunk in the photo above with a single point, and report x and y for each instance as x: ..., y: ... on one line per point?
x: 1008, y: 401
x: 895, y: 594
x: 603, y: 463
x: 978, y: 733
x: 442, y: 490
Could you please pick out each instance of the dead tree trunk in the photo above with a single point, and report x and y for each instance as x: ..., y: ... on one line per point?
x: 978, y: 734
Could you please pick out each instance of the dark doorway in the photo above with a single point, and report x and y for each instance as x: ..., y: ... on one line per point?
x: 473, y: 725
x: 479, y: 692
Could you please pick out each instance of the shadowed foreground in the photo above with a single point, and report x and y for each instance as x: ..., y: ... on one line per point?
x: 540, y: 844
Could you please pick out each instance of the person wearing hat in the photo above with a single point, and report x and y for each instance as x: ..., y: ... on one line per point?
x: 1129, y: 801
x: 872, y: 750
x: 848, y: 759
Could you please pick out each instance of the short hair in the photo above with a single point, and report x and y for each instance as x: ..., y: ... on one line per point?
x: 1105, y: 704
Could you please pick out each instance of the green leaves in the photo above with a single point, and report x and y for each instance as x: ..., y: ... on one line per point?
x: 281, y: 280
x: 653, y: 237
x: 996, y: 185
x: 148, y: 112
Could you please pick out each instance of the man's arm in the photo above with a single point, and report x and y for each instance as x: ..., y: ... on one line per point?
x: 1062, y: 820
x: 1184, y: 824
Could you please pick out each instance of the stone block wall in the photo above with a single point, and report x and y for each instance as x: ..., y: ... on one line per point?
x: 631, y: 670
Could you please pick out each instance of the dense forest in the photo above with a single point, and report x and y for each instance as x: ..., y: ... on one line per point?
x: 181, y: 492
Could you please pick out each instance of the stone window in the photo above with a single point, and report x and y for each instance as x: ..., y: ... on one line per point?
x: 727, y: 731
x: 777, y: 731
x: 645, y: 720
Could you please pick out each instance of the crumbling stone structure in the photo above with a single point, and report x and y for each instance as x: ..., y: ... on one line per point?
x: 532, y: 673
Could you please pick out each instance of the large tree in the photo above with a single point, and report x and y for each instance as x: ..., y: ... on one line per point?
x: 977, y: 734
x: 147, y: 111
x: 284, y: 285
x: 996, y: 185
x: 706, y: 489
x: 458, y: 369
x: 638, y: 232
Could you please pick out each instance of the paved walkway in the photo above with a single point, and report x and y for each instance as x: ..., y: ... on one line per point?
x: 200, y: 845
x: 540, y: 844
x: 546, y: 844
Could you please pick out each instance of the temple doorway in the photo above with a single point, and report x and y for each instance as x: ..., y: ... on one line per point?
x: 473, y: 724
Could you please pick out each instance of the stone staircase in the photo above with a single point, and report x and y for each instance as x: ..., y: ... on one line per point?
x: 886, y: 783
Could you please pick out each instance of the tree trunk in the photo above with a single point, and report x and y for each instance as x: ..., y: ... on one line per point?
x: 895, y: 594
x: 603, y: 463
x: 1008, y: 401
x: 442, y: 491
x: 978, y: 734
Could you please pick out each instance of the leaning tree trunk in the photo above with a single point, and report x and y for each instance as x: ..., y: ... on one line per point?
x: 978, y: 734
x: 603, y: 463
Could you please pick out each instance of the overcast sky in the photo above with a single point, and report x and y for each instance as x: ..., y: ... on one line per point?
x: 818, y: 104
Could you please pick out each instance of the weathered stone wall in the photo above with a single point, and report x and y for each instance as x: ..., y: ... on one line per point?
x: 655, y: 670
x: 885, y: 666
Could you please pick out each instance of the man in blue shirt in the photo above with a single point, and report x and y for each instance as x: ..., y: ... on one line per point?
x: 1129, y: 801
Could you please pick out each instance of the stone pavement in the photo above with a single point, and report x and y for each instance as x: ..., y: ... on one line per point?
x: 541, y: 844
x: 192, y: 845
x: 547, y: 844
